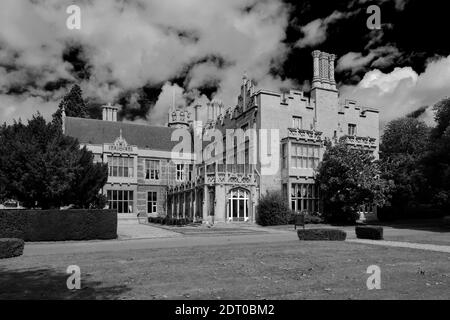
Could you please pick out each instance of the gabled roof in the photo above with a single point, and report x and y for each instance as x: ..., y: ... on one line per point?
x: 91, y: 131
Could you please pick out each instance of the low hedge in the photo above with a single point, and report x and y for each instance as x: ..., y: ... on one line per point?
x: 321, y: 234
x: 369, y: 232
x: 446, y: 221
x: 11, y: 247
x: 58, y: 225
x: 170, y: 221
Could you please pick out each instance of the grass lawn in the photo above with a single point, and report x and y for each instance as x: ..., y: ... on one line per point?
x: 283, y: 270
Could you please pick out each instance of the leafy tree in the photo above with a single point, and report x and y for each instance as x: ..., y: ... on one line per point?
x: 87, y: 179
x: 349, y: 178
x: 73, y: 104
x: 41, y: 167
x: 437, y: 160
x: 404, y: 144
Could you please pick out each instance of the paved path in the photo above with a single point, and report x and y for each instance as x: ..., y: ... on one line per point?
x: 133, y: 230
x: 399, y: 244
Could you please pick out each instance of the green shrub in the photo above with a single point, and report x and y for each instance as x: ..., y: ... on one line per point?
x: 446, y: 221
x: 321, y: 234
x: 58, y: 225
x: 11, y: 247
x: 273, y: 210
x: 369, y: 232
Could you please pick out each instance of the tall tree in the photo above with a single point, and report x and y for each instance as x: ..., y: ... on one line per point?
x: 437, y: 160
x: 73, y: 104
x: 349, y: 178
x: 41, y: 167
x: 404, y: 144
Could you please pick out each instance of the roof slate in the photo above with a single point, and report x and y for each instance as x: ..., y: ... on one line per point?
x: 92, y: 131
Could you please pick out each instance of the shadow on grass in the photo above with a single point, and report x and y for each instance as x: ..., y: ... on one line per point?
x: 433, y: 225
x: 43, y: 284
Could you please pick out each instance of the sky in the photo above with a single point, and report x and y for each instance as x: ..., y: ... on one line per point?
x: 138, y: 55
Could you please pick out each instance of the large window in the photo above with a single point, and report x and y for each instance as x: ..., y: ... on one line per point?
x: 305, y: 197
x: 152, y: 202
x: 120, y: 200
x: 304, y: 155
x: 297, y: 122
x: 180, y: 172
x: 351, y: 129
x: 238, y: 205
x: 152, y: 169
x: 121, y: 166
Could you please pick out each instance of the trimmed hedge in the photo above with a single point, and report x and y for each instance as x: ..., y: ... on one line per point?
x: 168, y: 221
x: 321, y: 234
x: 417, y: 212
x: 58, y: 225
x: 369, y: 232
x: 446, y: 221
x: 11, y: 247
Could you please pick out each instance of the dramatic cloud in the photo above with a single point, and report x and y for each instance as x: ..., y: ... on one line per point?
x: 379, y: 57
x: 353, y: 60
x: 315, y: 32
x: 403, y: 91
x: 126, y: 45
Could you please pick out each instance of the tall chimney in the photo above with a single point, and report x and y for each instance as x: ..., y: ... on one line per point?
x: 109, y: 113
x: 316, y: 77
x: 323, y: 70
x: 196, y: 107
x: 331, y: 60
x: 208, y: 111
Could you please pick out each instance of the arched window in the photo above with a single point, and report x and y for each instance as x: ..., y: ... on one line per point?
x: 238, y: 205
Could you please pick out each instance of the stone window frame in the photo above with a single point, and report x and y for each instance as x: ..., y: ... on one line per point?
x: 152, y: 202
x: 148, y: 169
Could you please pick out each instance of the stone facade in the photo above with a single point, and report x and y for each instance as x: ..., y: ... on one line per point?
x: 210, y: 188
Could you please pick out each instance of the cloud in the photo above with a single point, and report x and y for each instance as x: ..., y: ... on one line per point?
x: 131, y: 44
x: 315, y: 32
x: 353, y: 60
x: 403, y: 90
x: 379, y: 57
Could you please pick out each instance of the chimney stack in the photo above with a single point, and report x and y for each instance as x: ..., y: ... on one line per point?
x: 109, y: 113
x: 323, y: 64
x: 196, y: 107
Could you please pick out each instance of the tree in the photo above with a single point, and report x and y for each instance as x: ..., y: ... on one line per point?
x: 437, y: 160
x: 87, y: 179
x: 41, y: 167
x: 73, y: 104
x: 404, y: 144
x: 349, y: 178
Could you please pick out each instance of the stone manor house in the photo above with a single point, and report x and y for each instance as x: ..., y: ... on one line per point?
x: 146, y: 177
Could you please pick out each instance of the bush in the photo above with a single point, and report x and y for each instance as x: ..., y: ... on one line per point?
x: 58, y: 225
x: 369, y: 232
x: 11, y: 247
x: 321, y: 234
x: 420, y: 211
x: 446, y: 221
x: 273, y: 210
x: 169, y: 221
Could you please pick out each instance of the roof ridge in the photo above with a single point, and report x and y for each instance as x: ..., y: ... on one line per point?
x: 120, y: 122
